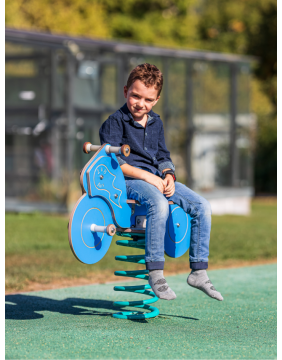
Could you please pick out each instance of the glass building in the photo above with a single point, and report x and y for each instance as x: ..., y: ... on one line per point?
x: 60, y: 89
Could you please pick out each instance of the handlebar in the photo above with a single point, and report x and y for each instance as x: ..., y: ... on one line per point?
x: 124, y: 149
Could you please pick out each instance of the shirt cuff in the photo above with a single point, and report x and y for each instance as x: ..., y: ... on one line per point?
x: 166, y: 165
x: 120, y: 160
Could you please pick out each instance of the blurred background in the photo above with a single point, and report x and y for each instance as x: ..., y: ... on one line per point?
x: 66, y: 64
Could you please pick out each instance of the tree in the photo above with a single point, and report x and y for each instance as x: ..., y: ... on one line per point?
x: 166, y: 23
x: 73, y: 17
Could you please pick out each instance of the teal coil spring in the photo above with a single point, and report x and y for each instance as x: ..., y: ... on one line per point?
x: 141, y: 289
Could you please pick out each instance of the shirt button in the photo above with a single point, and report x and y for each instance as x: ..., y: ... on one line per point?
x: 154, y: 158
x: 146, y: 134
x: 145, y: 148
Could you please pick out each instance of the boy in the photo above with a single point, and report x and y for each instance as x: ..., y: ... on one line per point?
x: 150, y: 179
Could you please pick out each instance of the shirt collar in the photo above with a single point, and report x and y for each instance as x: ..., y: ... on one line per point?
x: 127, y: 116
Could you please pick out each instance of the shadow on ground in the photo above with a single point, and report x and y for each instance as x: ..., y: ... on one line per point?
x: 27, y: 307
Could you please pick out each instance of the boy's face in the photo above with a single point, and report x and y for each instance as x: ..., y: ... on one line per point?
x: 140, y: 99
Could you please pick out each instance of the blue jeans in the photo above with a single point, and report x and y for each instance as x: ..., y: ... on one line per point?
x: 157, y: 214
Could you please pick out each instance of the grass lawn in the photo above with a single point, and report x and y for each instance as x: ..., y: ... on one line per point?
x: 38, y: 255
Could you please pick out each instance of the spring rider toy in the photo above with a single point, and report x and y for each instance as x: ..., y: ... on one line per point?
x: 103, y: 210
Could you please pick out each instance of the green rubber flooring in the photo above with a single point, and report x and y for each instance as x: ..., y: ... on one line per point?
x: 76, y: 323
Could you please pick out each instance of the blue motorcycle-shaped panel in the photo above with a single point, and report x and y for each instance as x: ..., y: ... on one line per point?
x: 103, y: 202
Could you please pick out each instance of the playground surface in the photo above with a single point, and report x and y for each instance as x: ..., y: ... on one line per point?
x: 76, y: 322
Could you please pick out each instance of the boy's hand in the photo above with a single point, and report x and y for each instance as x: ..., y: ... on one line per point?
x: 169, y: 185
x: 158, y: 182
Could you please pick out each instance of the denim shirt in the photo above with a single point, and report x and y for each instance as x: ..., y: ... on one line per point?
x: 147, y: 145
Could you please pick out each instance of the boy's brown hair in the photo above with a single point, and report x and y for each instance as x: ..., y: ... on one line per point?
x: 149, y: 74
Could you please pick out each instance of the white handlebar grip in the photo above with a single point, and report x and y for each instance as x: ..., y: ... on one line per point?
x: 124, y: 150
x: 88, y: 147
x: 110, y: 229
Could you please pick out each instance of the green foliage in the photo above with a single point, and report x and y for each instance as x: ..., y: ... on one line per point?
x: 37, y: 249
x: 263, y: 43
x: 74, y: 17
x: 166, y: 23
x: 244, y: 27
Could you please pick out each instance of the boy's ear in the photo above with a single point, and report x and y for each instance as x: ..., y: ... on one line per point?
x: 157, y: 99
x: 125, y: 91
